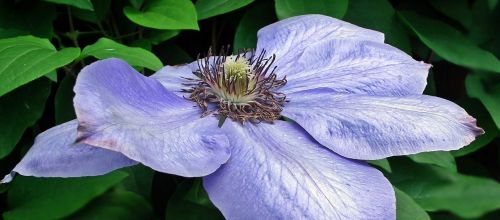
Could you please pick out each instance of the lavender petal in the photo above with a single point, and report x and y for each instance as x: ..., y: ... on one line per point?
x: 374, y: 127
x: 55, y: 154
x: 279, y: 172
x: 121, y: 110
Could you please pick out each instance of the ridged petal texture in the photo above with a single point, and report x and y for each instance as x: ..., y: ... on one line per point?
x: 279, y: 172
x: 350, y: 97
x: 55, y: 154
x: 119, y: 109
x: 374, y: 127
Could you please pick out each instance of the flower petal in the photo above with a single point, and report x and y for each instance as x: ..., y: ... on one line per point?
x: 374, y: 127
x: 122, y: 110
x: 55, y: 154
x: 175, y: 78
x: 290, y: 36
x: 277, y: 171
x: 358, y: 67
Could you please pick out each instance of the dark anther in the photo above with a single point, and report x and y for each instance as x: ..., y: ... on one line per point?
x: 249, y: 97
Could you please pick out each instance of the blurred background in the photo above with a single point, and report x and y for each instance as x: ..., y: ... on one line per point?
x: 460, y: 38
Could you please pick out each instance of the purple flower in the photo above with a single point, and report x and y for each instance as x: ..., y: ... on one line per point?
x: 349, y: 96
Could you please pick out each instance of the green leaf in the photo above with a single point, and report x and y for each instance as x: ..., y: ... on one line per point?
x: 255, y: 18
x: 82, y: 4
x: 438, y: 189
x: 54, y: 198
x: 450, y: 44
x: 173, y: 54
x: 211, y: 8
x: 3, y: 188
x: 63, y: 101
x: 23, y: 59
x: 27, y: 17
x: 475, y: 108
x: 289, y: 8
x: 492, y: 4
x: 190, y: 201
x: 379, y: 15
x: 135, y: 56
x: 136, y: 3
x: 480, y: 87
x: 483, y: 21
x: 458, y: 10
x: 19, y: 110
x: 139, y: 180
x: 165, y: 14
x: 116, y: 205
x: 52, y: 76
x: 11, y: 32
x: 439, y: 158
x: 142, y: 43
x: 407, y: 208
x: 382, y: 163
x: 101, y: 9
x: 158, y: 36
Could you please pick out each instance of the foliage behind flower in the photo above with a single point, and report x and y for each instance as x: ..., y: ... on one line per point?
x: 280, y: 131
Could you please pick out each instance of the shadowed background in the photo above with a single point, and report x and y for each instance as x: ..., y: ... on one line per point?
x: 458, y: 37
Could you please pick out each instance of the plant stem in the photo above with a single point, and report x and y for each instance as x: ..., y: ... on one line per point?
x: 429, y: 57
x: 115, y: 28
x: 72, y: 34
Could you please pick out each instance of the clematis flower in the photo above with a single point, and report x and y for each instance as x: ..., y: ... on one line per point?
x: 279, y: 132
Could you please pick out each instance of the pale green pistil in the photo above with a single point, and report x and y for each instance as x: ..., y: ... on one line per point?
x: 235, y: 81
x: 236, y: 68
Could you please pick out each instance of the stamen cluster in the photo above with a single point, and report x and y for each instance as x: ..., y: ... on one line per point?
x: 242, y: 87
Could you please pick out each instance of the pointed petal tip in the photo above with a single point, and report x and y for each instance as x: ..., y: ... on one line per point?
x: 426, y: 65
x: 8, y: 178
x: 471, y: 122
x: 55, y: 154
x: 427, y: 124
x: 121, y: 110
x: 479, y: 131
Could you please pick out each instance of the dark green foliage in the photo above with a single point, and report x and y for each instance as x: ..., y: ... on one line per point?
x: 52, y: 198
x: 191, y: 196
x: 54, y: 39
x: 20, y: 109
x: 63, y: 100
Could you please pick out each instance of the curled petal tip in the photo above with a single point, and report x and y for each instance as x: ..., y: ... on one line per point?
x: 121, y: 110
x: 471, y: 122
x: 426, y: 64
x: 8, y: 178
x: 81, y: 134
x: 426, y: 123
x: 479, y: 131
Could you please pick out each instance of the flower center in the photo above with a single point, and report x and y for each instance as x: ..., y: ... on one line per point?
x: 241, y: 87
